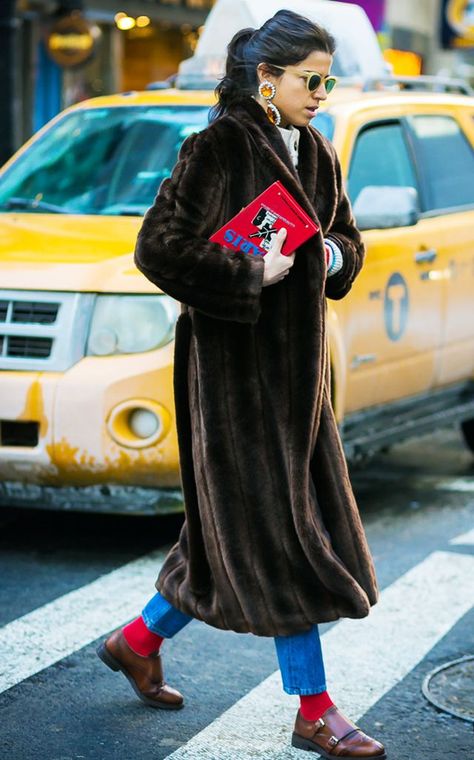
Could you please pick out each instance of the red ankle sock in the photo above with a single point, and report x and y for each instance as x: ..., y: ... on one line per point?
x: 140, y: 638
x: 312, y: 706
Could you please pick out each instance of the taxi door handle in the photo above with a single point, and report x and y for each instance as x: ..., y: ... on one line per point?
x: 359, y: 359
x: 426, y: 255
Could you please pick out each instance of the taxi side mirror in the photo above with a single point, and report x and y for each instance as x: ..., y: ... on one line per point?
x: 385, y: 206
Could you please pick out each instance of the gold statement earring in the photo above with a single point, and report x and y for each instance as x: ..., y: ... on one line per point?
x: 268, y: 90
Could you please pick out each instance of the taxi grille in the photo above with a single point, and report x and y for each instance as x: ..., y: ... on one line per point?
x: 14, y: 433
x: 42, y: 330
x: 34, y: 312
x: 38, y: 348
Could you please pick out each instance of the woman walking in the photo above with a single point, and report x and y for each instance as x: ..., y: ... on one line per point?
x: 272, y: 542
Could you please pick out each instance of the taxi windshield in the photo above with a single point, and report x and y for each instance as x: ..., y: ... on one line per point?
x: 107, y: 161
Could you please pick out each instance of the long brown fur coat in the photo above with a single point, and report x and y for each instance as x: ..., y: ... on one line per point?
x: 272, y: 542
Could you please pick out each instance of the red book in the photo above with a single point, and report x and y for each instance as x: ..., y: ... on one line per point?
x: 252, y: 229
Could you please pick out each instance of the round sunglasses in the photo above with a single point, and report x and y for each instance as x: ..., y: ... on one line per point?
x: 313, y: 79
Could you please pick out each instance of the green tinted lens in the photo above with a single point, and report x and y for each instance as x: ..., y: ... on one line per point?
x: 313, y: 82
x: 330, y: 84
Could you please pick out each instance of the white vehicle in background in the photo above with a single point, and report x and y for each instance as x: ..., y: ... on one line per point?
x: 358, y: 55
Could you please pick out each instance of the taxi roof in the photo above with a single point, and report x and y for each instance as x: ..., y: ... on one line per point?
x: 343, y: 97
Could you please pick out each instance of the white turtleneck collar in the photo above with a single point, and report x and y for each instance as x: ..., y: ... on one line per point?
x: 291, y: 138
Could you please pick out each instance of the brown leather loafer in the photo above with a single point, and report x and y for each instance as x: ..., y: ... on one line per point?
x: 144, y: 673
x: 334, y: 735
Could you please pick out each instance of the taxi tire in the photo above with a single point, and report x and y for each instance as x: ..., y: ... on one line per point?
x: 467, y: 429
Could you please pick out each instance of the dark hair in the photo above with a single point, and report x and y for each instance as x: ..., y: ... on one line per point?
x: 286, y: 38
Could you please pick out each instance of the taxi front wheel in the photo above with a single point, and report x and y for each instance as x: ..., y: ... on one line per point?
x: 467, y: 428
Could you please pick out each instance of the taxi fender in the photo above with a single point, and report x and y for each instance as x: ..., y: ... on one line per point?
x: 338, y: 362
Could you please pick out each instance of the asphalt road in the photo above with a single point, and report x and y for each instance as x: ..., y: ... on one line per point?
x: 66, y: 580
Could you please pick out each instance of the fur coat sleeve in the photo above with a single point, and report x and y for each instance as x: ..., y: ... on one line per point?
x: 344, y: 232
x: 173, y: 249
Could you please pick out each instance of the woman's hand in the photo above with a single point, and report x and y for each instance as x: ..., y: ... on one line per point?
x: 277, y: 265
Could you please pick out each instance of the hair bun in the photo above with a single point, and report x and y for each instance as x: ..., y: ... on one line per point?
x: 228, y: 86
x: 236, y: 47
x: 235, y: 84
x: 229, y: 91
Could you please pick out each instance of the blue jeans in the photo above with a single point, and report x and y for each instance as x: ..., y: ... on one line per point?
x: 299, y: 655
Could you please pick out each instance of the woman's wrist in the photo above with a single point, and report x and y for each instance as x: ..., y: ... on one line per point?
x: 334, y: 258
x: 329, y: 255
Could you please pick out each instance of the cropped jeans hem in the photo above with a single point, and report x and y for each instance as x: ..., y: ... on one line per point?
x: 162, y: 618
x: 301, y: 663
x: 299, y: 655
x: 303, y: 692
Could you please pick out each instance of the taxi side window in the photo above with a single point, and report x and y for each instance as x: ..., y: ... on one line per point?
x: 446, y: 160
x: 380, y: 157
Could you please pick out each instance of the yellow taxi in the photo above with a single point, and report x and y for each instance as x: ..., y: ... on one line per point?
x: 86, y: 342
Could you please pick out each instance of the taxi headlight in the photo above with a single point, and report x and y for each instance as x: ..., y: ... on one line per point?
x: 123, y: 324
x: 143, y: 423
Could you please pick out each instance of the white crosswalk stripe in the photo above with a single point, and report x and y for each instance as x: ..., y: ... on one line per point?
x: 459, y: 484
x: 465, y: 538
x: 364, y: 659
x: 48, y: 634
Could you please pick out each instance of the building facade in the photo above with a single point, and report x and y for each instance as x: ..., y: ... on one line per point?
x: 58, y: 52
x: 441, y: 31
x: 54, y: 53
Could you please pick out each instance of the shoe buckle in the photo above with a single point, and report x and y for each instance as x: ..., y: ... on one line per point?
x: 319, y: 724
x: 333, y: 740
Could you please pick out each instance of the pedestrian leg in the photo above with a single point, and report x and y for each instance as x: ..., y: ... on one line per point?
x: 134, y: 650
x: 301, y: 664
x: 320, y: 726
x: 159, y: 620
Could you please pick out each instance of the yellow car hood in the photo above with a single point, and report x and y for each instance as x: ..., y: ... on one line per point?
x: 75, y: 253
